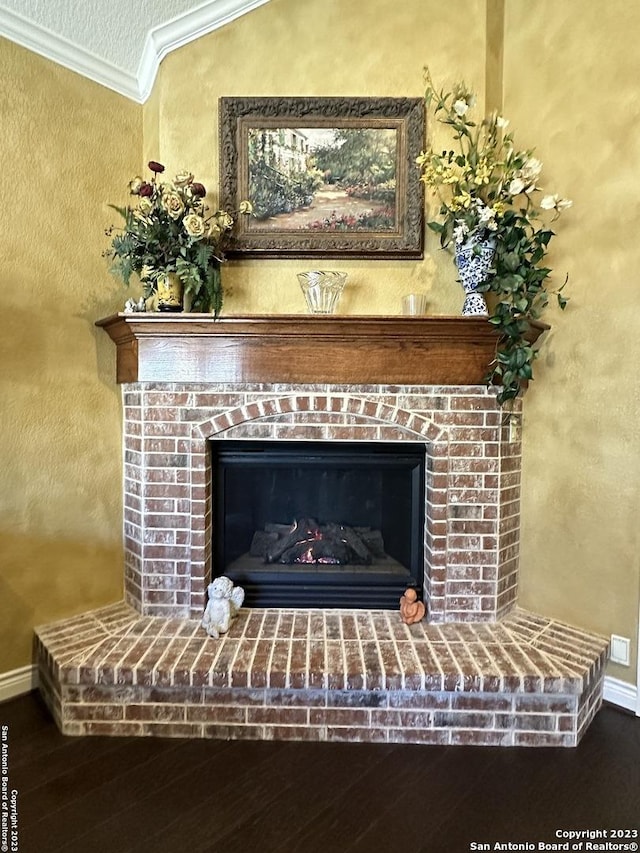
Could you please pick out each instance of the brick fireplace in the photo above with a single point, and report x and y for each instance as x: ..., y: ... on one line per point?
x: 489, y: 674
x: 472, y: 481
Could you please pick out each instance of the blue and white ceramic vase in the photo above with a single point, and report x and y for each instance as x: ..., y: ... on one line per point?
x: 474, y: 258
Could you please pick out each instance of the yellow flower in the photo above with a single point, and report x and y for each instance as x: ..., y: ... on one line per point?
x: 449, y: 176
x: 224, y: 220
x: 432, y: 174
x: 194, y: 225
x: 462, y: 200
x: 482, y: 173
x: 173, y: 204
x: 245, y: 207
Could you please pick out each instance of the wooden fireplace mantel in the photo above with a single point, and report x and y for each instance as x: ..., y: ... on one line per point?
x: 295, y: 348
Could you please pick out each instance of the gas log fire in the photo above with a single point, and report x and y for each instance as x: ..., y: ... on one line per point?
x: 307, y: 541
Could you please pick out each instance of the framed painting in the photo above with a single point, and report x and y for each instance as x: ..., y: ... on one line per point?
x: 330, y: 177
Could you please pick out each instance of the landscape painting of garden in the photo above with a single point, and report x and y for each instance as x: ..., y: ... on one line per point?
x: 322, y: 178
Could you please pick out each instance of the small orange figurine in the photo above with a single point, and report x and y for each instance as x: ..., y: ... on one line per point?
x: 411, y: 610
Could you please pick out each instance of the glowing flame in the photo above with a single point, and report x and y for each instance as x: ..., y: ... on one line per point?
x: 307, y: 557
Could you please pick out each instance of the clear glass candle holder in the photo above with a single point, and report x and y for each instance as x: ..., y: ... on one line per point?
x: 322, y: 289
x: 414, y: 304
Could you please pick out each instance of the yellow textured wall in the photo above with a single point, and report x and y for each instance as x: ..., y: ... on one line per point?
x: 323, y: 48
x: 571, y: 89
x: 65, y: 145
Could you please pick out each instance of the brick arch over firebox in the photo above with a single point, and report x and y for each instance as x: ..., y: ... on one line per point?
x: 323, y: 410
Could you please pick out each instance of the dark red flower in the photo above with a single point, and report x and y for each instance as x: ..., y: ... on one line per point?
x: 155, y: 167
x: 198, y: 190
x: 146, y: 190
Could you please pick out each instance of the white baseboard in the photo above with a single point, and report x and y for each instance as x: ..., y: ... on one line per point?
x: 621, y: 693
x: 18, y: 681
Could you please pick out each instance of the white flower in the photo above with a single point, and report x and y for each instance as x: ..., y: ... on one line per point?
x: 531, y: 170
x: 516, y: 186
x: 460, y: 232
x: 530, y: 173
x: 183, y: 178
x: 487, y: 217
x: 460, y: 107
x: 224, y: 220
x: 134, y: 185
x: 502, y: 122
x: 554, y: 202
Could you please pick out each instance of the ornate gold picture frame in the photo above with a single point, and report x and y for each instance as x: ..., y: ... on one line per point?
x: 330, y: 177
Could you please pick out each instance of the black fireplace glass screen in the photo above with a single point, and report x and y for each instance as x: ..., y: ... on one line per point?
x: 319, y: 524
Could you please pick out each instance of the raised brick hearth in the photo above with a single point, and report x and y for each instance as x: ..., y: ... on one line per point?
x: 358, y: 676
x: 478, y: 670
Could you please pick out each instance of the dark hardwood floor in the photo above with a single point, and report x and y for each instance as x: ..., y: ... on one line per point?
x: 116, y: 795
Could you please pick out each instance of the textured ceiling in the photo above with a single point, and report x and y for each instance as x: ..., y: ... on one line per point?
x: 115, y: 30
x: 118, y: 43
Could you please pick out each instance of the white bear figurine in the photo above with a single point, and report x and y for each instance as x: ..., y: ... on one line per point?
x: 225, y: 600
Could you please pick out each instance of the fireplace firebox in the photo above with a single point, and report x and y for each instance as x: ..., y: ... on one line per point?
x: 319, y: 524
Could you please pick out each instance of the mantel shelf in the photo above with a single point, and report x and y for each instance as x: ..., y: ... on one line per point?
x: 295, y: 348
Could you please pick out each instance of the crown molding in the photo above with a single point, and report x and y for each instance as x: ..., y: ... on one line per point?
x: 168, y: 37
x: 160, y: 41
x: 63, y: 52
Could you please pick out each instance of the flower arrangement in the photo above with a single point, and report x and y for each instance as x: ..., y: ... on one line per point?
x: 485, y: 187
x: 169, y: 230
